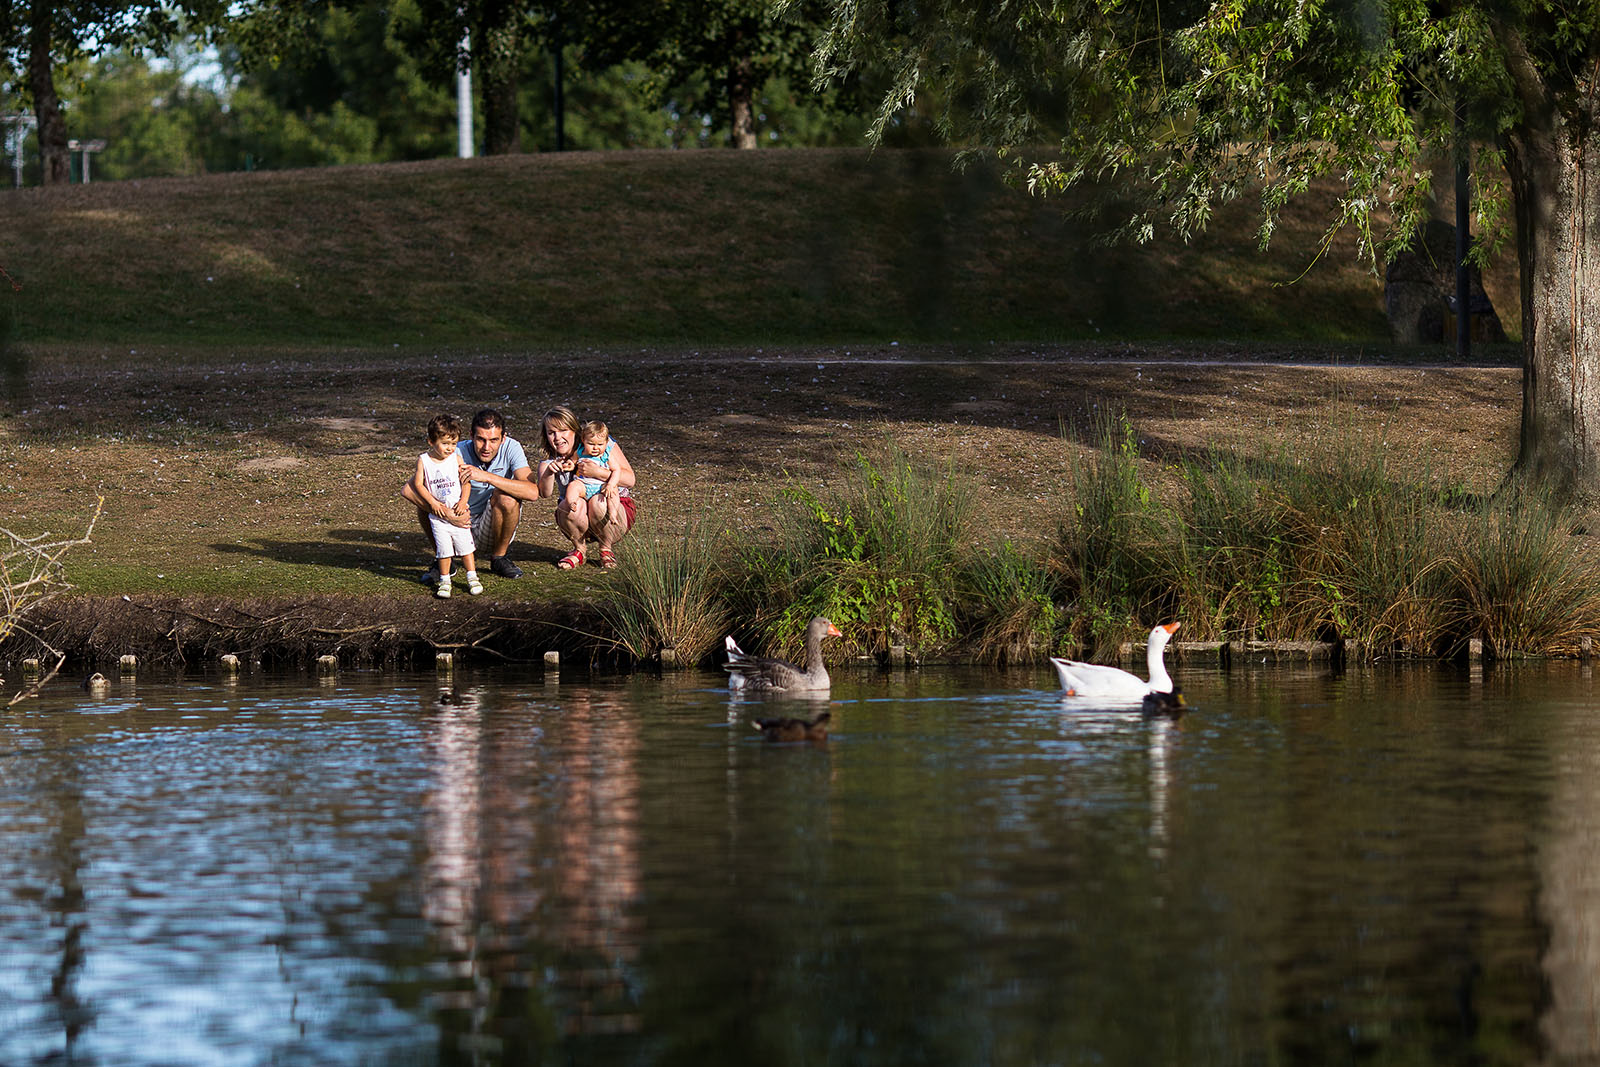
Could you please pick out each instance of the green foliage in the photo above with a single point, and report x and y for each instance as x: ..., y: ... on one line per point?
x: 1189, y: 106
x: 880, y: 560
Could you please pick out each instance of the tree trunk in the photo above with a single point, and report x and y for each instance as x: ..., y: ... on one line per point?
x: 1554, y: 165
x: 499, y: 53
x: 57, y: 167
x: 741, y: 90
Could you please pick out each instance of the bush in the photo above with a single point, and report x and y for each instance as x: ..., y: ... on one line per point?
x: 880, y: 560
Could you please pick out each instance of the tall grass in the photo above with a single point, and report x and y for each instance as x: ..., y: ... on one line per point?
x: 1328, y: 541
x: 669, y: 594
x: 1520, y: 578
x: 1111, y: 550
x: 880, y: 559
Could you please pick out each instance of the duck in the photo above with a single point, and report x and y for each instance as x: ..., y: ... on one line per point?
x: 795, y: 729
x: 764, y: 673
x: 1095, y: 680
x: 1165, y: 705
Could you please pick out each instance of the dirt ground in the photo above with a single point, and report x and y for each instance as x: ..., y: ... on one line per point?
x: 273, y: 474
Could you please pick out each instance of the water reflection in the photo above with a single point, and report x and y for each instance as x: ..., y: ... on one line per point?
x: 1569, y: 898
x: 532, y: 873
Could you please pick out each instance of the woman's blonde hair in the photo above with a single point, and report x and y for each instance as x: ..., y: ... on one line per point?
x: 562, y: 416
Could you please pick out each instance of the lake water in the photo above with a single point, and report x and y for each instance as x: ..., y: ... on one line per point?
x: 1384, y: 866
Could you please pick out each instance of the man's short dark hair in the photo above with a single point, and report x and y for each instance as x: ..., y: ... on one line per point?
x: 489, y: 419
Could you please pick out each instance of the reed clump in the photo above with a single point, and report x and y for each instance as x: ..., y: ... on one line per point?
x: 1111, y: 554
x: 669, y: 594
x: 1331, y: 542
x: 1522, y: 578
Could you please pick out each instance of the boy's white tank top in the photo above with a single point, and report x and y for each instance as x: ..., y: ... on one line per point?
x: 443, y: 477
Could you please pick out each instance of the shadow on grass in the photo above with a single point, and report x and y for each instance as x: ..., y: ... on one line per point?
x: 403, y: 563
x: 14, y: 365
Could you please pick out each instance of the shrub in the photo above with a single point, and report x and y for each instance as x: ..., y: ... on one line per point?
x: 879, y: 561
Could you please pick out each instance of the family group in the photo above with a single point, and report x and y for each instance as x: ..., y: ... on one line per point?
x: 469, y: 493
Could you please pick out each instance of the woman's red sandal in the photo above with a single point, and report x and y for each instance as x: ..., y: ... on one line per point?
x: 571, y: 561
x: 608, y: 558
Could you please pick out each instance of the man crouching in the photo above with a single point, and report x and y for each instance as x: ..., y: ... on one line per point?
x: 492, y: 515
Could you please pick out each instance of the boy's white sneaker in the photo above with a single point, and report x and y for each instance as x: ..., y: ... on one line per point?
x: 442, y: 590
x: 474, y: 587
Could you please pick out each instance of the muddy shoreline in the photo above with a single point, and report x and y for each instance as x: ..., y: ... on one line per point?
x: 174, y: 632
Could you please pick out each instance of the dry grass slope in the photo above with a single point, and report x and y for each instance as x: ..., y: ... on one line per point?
x: 645, y: 247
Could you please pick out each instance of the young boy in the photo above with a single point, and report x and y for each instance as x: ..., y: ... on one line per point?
x: 596, y: 438
x: 439, y: 480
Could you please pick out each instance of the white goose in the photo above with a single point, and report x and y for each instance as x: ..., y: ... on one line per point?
x: 1113, y: 683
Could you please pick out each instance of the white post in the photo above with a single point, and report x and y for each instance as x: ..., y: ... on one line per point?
x: 17, y: 127
x: 464, y: 98
x: 84, y: 149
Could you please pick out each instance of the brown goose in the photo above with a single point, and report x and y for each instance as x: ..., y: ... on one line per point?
x: 764, y: 673
x: 795, y: 729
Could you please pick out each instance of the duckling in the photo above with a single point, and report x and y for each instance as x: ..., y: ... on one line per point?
x: 1167, y: 705
x: 795, y: 729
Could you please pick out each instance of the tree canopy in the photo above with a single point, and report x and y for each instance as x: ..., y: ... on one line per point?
x: 1179, y: 105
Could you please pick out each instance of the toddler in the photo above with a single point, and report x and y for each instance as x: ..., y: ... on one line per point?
x: 439, y: 479
x: 596, y: 438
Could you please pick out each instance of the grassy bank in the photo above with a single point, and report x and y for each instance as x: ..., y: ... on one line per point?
x: 648, y: 248
x: 271, y: 476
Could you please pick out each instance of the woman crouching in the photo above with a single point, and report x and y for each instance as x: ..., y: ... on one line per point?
x: 600, y: 507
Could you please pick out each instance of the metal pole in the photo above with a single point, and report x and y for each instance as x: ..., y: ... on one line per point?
x: 1463, y: 241
x: 464, y: 98
x: 561, y: 107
